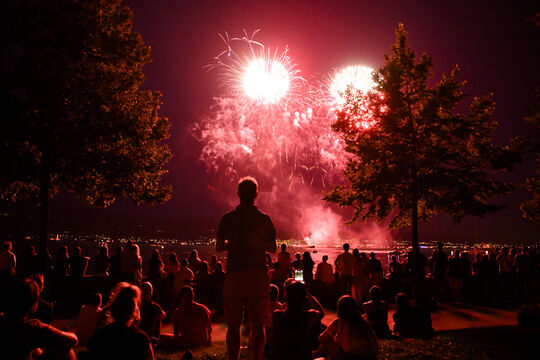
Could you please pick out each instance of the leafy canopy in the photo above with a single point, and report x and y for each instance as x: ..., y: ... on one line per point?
x: 531, y: 208
x: 74, y: 104
x: 421, y: 152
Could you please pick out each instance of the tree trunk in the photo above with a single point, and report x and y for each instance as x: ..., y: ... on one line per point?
x: 44, y: 186
x: 417, y: 262
x: 415, y: 246
x: 44, y: 196
x: 414, y: 220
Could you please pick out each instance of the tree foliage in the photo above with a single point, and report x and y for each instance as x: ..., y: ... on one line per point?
x: 421, y: 157
x: 75, y: 110
x: 531, y: 208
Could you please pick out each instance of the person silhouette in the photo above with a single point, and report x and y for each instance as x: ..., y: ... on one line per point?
x: 246, y: 233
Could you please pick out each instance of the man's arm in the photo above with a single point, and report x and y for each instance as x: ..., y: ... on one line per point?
x: 221, y: 244
x: 209, y: 329
x: 337, y: 263
x: 270, y: 244
x: 221, y: 237
x: 313, y: 303
x: 149, y: 354
x: 56, y: 342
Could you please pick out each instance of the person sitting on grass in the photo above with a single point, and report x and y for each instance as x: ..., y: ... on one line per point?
x: 151, y: 313
x: 122, y: 339
x: 25, y: 338
x: 411, y: 321
x: 377, y: 312
x: 44, y: 311
x: 8, y: 263
x: 350, y: 336
x: 274, y: 305
x: 291, y: 327
x: 89, y: 318
x: 191, y: 322
x: 183, y: 276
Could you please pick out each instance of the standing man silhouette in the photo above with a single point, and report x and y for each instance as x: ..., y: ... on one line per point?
x: 247, y: 234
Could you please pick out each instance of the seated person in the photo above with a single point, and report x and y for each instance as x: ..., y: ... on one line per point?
x: 151, y: 313
x: 90, y: 317
x: 121, y: 339
x: 291, y: 327
x: 411, y: 321
x: 273, y: 306
x: 216, y: 282
x: 377, y: 312
x: 350, y: 336
x: 44, y: 312
x: 25, y: 338
x: 191, y: 322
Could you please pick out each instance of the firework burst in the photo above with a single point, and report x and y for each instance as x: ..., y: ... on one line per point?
x: 273, y: 124
x: 358, y: 78
x: 250, y: 70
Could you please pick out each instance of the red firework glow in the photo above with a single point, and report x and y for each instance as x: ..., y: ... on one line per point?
x: 276, y: 127
x: 266, y: 80
x: 349, y: 88
x: 358, y: 78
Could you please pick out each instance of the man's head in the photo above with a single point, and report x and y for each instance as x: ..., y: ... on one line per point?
x: 283, y: 247
x: 298, y: 256
x: 39, y: 279
x: 247, y: 190
x: 77, y: 251
x: 218, y: 268
x: 146, y: 290
x: 375, y: 293
x: 325, y: 258
x: 440, y: 245
x: 295, y: 294
x: 23, y: 297
x: 274, y: 292
x: 186, y: 295
x: 94, y: 299
x: 346, y: 247
x: 6, y: 245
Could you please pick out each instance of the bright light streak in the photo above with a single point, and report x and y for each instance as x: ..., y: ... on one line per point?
x: 266, y: 81
x: 263, y: 76
x: 358, y: 77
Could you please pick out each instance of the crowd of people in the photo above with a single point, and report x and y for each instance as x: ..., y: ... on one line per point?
x: 278, y: 299
x: 191, y: 295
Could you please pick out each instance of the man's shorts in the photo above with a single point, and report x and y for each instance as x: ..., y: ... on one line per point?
x: 250, y: 287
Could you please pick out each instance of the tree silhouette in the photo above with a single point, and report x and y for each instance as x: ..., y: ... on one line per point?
x: 531, y: 208
x: 421, y: 157
x: 76, y: 118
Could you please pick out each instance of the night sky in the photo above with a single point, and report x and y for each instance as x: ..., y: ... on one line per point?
x: 497, y: 50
